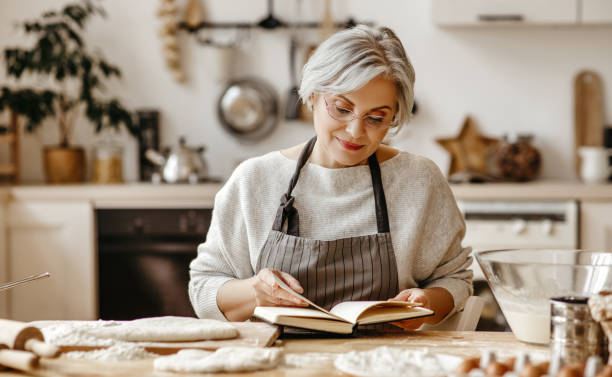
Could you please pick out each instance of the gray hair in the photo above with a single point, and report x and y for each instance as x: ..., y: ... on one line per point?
x: 349, y: 59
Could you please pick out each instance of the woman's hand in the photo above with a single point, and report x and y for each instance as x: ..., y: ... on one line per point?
x: 437, y: 299
x: 267, y: 291
x: 415, y: 295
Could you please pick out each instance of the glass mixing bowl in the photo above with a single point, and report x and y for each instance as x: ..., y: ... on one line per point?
x: 523, y: 281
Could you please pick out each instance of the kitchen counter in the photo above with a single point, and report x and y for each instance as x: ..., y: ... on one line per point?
x: 204, y: 193
x: 536, y: 190
x: 448, y: 342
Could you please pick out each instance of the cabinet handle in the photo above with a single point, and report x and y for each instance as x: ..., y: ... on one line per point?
x: 501, y: 17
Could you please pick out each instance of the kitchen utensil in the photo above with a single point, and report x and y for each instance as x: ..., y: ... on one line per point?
x: 20, y: 360
x: 21, y: 336
x: 181, y: 163
x: 23, y: 281
x: 594, y: 164
x: 575, y: 335
x: 292, y: 106
x: 248, y: 109
x: 270, y: 22
x: 148, y: 138
x: 524, y: 280
x: 588, y: 112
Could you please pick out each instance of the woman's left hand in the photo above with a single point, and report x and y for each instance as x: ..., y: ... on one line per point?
x: 415, y: 295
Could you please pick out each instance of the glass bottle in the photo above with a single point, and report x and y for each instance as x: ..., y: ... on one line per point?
x: 108, y: 161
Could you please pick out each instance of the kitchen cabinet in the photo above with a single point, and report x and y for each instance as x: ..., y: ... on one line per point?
x: 504, y: 12
x: 596, y: 226
x: 596, y: 11
x: 55, y: 236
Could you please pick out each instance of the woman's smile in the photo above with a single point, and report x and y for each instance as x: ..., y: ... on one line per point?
x: 348, y: 145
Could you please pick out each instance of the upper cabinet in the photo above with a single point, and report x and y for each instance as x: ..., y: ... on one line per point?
x: 596, y: 12
x: 521, y: 12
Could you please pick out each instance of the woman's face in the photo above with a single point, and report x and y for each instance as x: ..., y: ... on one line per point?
x: 351, y: 126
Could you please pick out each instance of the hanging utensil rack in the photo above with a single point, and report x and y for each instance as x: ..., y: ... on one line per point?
x: 269, y: 22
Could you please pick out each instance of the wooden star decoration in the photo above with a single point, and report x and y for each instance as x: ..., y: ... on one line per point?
x: 470, y: 151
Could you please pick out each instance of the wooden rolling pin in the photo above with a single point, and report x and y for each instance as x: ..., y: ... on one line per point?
x: 19, y: 336
x: 20, y: 360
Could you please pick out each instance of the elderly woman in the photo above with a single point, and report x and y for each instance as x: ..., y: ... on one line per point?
x: 340, y: 217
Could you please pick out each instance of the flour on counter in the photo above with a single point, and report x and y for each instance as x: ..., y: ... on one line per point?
x: 392, y: 361
x: 74, y: 333
x: 226, y: 359
x: 300, y: 360
x: 119, y: 352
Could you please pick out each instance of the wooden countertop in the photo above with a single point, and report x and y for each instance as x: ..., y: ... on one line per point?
x: 448, y: 342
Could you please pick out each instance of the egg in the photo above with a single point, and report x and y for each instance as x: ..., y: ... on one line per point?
x: 496, y: 369
x: 467, y: 365
x: 531, y: 370
x: 605, y: 372
x: 509, y: 362
x: 570, y: 371
x: 544, y: 366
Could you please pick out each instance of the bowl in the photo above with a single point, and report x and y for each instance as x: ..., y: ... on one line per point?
x: 524, y: 280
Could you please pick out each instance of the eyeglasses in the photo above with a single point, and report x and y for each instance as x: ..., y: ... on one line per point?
x: 341, y: 113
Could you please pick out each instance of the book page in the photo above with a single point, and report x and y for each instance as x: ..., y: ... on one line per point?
x: 284, y: 286
x: 352, y: 310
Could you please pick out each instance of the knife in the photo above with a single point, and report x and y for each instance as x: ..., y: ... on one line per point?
x: 23, y: 281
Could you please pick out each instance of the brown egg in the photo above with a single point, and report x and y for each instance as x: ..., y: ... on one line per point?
x: 578, y: 367
x: 467, y: 365
x: 605, y: 372
x: 569, y: 371
x: 544, y: 365
x: 510, y: 362
x: 531, y: 370
x: 496, y: 369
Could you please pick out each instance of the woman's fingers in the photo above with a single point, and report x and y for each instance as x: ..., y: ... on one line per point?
x: 409, y: 324
x: 291, y: 282
x: 274, y: 294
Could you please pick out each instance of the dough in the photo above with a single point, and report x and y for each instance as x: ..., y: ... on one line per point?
x: 389, y: 362
x: 167, y: 329
x: 226, y: 359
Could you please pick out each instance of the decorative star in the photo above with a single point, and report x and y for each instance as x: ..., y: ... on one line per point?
x: 469, y: 150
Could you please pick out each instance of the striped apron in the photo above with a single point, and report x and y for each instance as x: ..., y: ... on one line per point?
x: 348, y: 269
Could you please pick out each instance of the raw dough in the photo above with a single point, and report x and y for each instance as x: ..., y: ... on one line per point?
x: 390, y: 361
x: 226, y: 359
x: 167, y: 329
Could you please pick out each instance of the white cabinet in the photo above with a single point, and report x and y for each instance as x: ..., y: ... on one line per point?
x: 596, y: 11
x: 596, y: 226
x: 504, y: 12
x: 54, y: 236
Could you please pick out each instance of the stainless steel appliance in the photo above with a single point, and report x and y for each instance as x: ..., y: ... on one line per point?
x: 515, y: 225
x: 144, y: 257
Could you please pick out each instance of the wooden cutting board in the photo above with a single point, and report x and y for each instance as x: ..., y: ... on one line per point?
x: 588, y: 112
x: 252, y: 334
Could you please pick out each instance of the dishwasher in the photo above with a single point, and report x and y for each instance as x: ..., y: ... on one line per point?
x: 494, y: 224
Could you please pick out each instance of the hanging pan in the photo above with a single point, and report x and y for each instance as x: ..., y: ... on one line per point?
x: 248, y: 109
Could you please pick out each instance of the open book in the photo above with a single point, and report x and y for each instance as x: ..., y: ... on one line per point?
x: 343, y: 317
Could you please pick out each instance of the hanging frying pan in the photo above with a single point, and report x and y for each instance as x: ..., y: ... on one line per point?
x: 248, y: 109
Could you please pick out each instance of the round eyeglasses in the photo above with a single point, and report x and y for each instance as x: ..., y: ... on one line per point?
x: 341, y: 113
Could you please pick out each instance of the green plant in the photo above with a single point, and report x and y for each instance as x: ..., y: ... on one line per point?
x: 60, y: 53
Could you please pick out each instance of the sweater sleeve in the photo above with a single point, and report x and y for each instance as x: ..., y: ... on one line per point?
x: 447, y: 231
x: 224, y: 255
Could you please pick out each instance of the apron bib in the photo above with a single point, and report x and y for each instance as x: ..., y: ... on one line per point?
x: 359, y: 268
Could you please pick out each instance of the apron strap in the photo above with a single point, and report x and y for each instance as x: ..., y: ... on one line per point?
x: 382, y: 217
x: 287, y: 211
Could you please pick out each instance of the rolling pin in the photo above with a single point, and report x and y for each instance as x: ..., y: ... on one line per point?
x: 20, y: 336
x: 20, y: 360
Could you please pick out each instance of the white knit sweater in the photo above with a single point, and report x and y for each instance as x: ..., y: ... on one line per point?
x: 426, y: 225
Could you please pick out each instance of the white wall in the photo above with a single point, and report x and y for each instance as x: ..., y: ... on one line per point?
x: 508, y: 79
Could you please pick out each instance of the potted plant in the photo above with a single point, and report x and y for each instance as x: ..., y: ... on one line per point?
x: 76, y: 77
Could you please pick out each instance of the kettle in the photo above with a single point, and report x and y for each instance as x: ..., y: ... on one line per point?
x: 181, y: 163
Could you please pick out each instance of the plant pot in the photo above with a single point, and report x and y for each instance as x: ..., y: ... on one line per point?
x: 64, y: 165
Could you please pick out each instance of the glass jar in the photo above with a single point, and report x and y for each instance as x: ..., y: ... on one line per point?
x: 516, y: 159
x: 108, y: 162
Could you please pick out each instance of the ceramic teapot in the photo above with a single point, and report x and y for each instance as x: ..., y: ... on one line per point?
x: 181, y: 163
